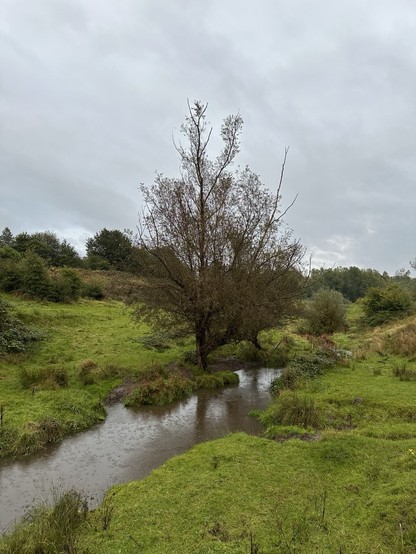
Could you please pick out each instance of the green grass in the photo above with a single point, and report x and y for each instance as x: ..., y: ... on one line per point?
x: 343, y: 493
x: 337, y: 474
x: 49, y: 382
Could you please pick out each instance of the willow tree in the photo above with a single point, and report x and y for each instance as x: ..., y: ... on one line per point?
x: 221, y: 263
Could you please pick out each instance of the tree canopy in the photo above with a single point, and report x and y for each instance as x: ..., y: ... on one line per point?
x: 223, y: 265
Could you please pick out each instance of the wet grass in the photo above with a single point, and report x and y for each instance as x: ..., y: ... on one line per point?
x: 88, y: 348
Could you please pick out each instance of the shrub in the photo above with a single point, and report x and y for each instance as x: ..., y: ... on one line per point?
x: 35, y: 279
x: 93, y: 291
x: 14, y: 335
x: 304, y: 367
x: 325, y: 313
x: 65, y: 286
x: 382, y: 304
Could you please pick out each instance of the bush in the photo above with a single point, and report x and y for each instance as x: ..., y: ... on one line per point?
x: 93, y: 291
x: 15, y: 337
x: 304, y: 367
x: 65, y: 286
x: 382, y: 304
x: 325, y: 313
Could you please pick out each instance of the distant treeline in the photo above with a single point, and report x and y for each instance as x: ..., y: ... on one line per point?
x: 26, y: 261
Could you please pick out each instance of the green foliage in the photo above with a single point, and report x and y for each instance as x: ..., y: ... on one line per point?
x: 49, y: 530
x: 92, y: 290
x: 352, y: 282
x: 15, y: 336
x: 48, y: 247
x: 35, y: 279
x: 304, y: 366
x: 65, y: 286
x: 112, y: 248
x: 383, y: 304
x: 325, y: 313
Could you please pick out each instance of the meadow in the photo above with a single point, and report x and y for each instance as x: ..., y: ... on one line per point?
x: 335, y: 471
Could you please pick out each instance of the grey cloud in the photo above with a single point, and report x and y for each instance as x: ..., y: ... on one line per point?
x: 91, y: 94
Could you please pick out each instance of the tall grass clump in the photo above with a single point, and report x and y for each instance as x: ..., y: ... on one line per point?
x: 294, y: 408
x: 154, y: 388
x: 402, y: 341
x: 49, y: 530
x: 216, y: 380
x: 41, y: 377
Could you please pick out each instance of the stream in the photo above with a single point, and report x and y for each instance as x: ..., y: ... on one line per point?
x: 131, y: 443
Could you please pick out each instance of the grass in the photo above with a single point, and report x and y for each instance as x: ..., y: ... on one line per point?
x: 88, y: 348
x: 337, y: 473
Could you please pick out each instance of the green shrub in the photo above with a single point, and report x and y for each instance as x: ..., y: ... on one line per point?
x: 35, y: 280
x: 382, y: 304
x: 15, y: 336
x: 307, y: 366
x: 65, y: 286
x: 93, y: 291
x: 325, y: 313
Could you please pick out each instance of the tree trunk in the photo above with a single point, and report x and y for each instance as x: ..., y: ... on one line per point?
x: 201, y: 347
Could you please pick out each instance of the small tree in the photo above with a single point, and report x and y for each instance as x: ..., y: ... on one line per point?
x: 109, y: 249
x: 222, y: 264
x: 325, y: 313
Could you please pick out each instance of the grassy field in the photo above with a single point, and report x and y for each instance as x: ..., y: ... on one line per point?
x: 87, y: 348
x: 338, y: 474
x: 348, y: 488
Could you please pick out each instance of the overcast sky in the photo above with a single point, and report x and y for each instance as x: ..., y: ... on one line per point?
x: 91, y: 92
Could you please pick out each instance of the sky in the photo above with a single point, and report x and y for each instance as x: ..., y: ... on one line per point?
x: 93, y: 91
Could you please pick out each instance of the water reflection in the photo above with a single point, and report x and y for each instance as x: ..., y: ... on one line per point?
x: 129, y: 444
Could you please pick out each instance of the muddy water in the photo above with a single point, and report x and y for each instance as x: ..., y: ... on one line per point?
x: 129, y: 444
